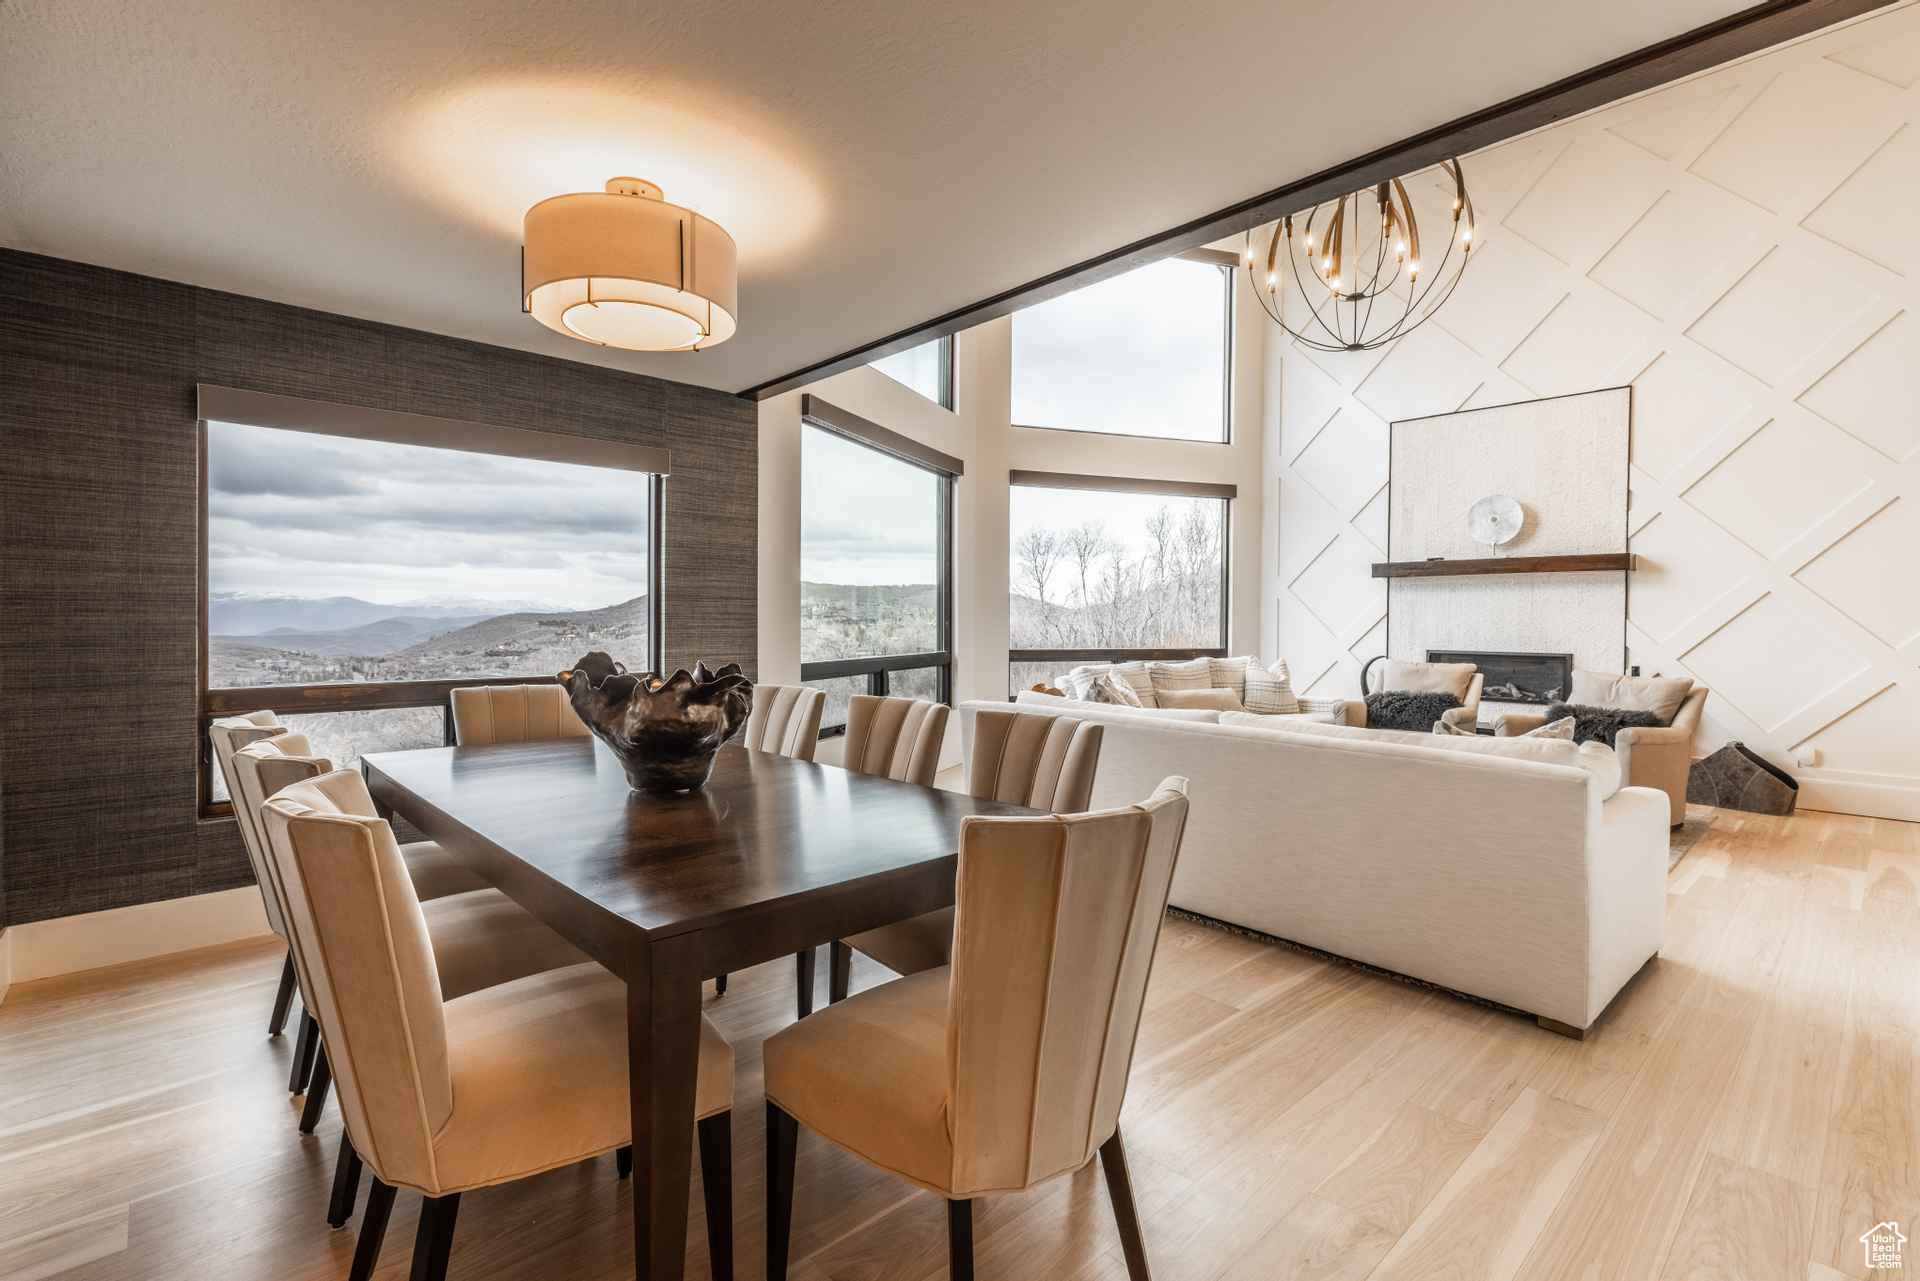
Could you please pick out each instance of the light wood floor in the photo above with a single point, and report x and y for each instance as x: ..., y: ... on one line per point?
x: 1747, y: 1108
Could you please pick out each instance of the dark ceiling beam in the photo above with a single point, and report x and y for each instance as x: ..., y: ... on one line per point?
x: 1735, y: 36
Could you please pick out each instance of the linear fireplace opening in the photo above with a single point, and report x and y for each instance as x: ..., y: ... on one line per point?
x: 1515, y: 678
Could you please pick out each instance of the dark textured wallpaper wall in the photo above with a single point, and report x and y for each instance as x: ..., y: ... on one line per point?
x: 99, y: 590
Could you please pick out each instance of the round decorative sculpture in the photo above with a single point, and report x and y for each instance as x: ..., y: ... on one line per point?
x: 1496, y: 520
x: 665, y: 731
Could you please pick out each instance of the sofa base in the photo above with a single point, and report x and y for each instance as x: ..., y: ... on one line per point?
x: 1564, y: 1029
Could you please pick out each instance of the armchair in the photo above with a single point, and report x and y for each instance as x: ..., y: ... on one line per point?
x: 1650, y: 756
x: 1435, y: 677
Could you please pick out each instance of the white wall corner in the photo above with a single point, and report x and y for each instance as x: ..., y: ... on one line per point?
x: 71, y: 944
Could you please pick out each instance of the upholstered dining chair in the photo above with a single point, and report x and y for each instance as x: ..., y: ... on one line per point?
x: 1010, y: 1065
x: 896, y: 738
x: 447, y: 1095
x: 484, y: 714
x: 434, y: 873
x: 785, y: 719
x: 480, y: 938
x: 1043, y: 762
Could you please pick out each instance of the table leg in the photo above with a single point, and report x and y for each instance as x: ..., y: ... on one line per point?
x: 663, y: 1062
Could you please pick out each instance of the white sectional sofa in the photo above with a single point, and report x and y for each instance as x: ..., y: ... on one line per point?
x: 1521, y: 875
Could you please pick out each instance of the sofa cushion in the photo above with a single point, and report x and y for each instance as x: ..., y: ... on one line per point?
x: 1196, y: 673
x: 1092, y: 711
x: 1601, y: 724
x: 1661, y: 695
x: 1269, y: 689
x: 1429, y: 678
x: 1264, y: 720
x: 1219, y: 700
x: 1407, y: 710
x: 1598, y: 760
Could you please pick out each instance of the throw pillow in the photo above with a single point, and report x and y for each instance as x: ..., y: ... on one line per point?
x: 1138, y: 677
x: 1269, y: 690
x: 1229, y: 673
x: 1219, y: 700
x: 1078, y: 681
x: 1107, y: 688
x: 1562, y: 728
x: 1600, y: 724
x: 1194, y: 674
x: 1408, y: 709
x: 1428, y: 678
x: 1334, y: 707
x: 1661, y: 695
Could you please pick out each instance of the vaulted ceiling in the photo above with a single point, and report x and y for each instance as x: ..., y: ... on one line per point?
x: 879, y: 162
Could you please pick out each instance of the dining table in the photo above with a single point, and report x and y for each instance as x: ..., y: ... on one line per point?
x: 773, y: 857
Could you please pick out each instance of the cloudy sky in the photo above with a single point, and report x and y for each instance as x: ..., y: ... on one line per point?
x: 290, y: 513
x: 864, y: 518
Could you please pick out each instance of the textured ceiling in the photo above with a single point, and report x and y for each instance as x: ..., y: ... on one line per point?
x: 879, y: 163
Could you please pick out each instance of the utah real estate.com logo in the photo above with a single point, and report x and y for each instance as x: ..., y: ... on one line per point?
x: 1883, y: 1242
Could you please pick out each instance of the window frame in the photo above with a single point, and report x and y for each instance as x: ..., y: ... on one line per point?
x: 947, y: 398
x: 1225, y: 492
x: 947, y: 470
x: 327, y: 418
x: 1228, y: 264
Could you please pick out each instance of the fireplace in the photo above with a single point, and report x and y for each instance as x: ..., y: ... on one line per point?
x: 1515, y: 678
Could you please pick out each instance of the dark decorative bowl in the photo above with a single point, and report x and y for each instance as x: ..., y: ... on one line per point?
x: 665, y: 731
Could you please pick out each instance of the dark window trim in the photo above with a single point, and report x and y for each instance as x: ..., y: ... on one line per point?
x: 1099, y: 655
x: 875, y: 667
x: 229, y: 405
x: 864, y: 431
x: 1123, y: 484
x: 1227, y: 263
x: 361, y: 422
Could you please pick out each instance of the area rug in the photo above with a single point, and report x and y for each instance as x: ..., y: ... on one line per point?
x: 1685, y: 837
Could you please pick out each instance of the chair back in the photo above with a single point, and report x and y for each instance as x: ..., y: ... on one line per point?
x: 228, y: 734
x: 371, y: 981
x: 484, y: 714
x: 785, y: 719
x: 257, y: 771
x: 1053, y: 941
x: 1044, y: 762
x: 896, y: 738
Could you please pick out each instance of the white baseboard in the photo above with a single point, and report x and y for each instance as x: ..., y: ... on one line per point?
x: 1872, y: 795
x: 70, y: 944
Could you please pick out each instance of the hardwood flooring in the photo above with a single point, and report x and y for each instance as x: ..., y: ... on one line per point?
x: 1748, y: 1107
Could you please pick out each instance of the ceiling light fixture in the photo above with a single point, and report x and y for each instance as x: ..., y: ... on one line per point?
x: 623, y: 268
x: 1382, y: 248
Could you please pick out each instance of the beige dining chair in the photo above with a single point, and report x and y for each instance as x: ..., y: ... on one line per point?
x: 481, y: 938
x: 447, y: 1095
x: 435, y: 874
x: 1009, y: 1066
x: 785, y: 719
x: 896, y: 738
x: 1042, y: 762
x: 484, y: 714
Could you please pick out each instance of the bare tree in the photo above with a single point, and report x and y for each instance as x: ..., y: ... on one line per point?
x: 1038, y: 553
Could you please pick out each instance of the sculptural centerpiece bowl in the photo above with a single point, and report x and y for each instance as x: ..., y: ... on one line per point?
x: 664, y: 730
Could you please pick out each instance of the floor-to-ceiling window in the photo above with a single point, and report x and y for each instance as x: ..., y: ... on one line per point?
x: 352, y: 579
x: 927, y: 369
x: 1109, y: 569
x: 876, y: 515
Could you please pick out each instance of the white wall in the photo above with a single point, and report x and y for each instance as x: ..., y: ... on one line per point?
x: 980, y: 431
x: 1744, y: 249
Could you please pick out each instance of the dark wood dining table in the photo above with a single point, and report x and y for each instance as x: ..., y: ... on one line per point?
x: 774, y: 856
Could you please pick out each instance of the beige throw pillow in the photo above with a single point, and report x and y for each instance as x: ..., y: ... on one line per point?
x: 1661, y: 695
x: 1269, y: 690
x: 1195, y: 673
x: 1107, y: 688
x: 1219, y: 700
x: 1230, y: 673
x: 1138, y: 677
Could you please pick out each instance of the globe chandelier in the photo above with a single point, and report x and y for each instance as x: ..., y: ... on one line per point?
x: 1354, y: 291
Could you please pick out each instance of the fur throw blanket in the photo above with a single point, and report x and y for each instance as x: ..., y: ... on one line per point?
x: 1600, y: 724
x: 1401, y: 709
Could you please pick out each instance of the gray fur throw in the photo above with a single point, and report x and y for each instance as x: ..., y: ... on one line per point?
x: 1600, y: 724
x: 1402, y: 709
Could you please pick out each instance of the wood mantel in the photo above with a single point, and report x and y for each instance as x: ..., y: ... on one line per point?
x: 1578, y: 564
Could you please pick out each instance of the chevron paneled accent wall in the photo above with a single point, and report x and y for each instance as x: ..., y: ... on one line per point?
x: 1744, y: 249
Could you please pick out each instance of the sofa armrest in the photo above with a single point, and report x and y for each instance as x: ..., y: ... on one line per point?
x: 1514, y: 724
x: 1354, y: 712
